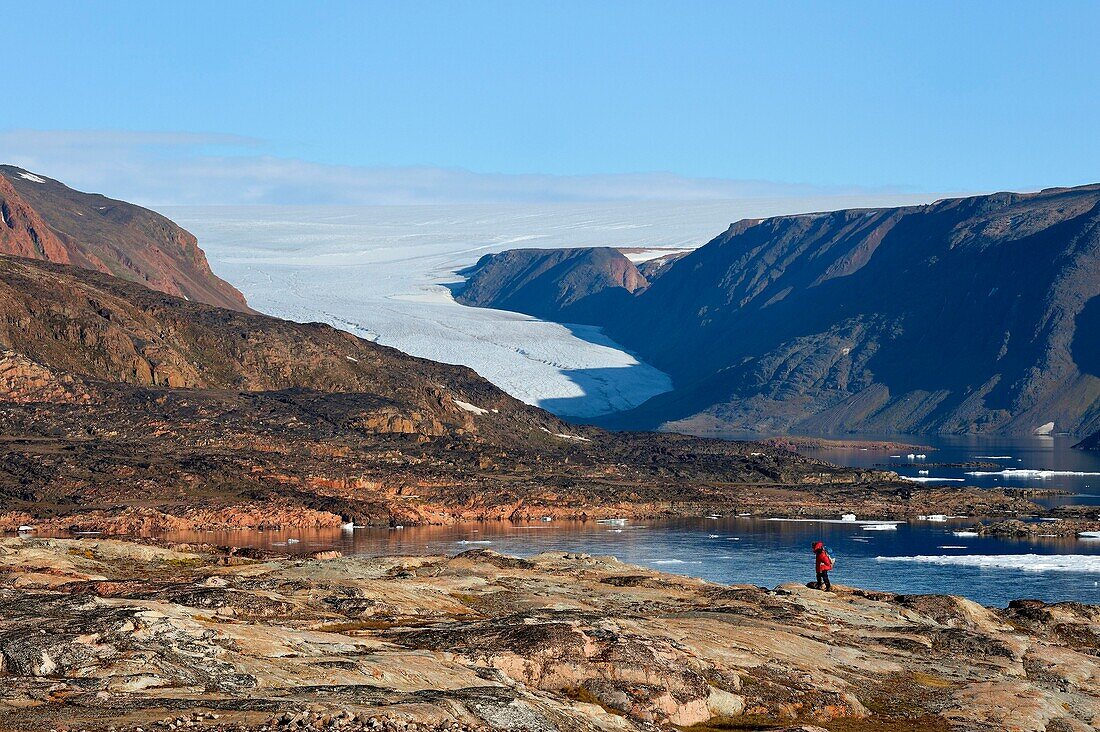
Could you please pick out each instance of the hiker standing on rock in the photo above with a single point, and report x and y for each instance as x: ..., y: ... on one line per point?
x: 824, y: 563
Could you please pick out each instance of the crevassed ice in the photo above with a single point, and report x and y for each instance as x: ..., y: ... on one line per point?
x: 381, y: 272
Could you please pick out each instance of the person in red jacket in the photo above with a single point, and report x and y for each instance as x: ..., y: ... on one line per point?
x: 824, y: 564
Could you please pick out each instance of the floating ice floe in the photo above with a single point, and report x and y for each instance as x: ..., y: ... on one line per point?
x: 952, y: 546
x: 347, y: 526
x: 933, y: 517
x: 1031, y: 474
x: 612, y: 521
x: 714, y: 517
x: 992, y: 457
x: 471, y: 408
x: 964, y: 533
x: 1089, y: 535
x: 1024, y: 562
x: 833, y: 521
x: 928, y: 479
x: 673, y: 561
x: 472, y: 541
x: 880, y: 527
x: 713, y: 536
x: 922, y: 472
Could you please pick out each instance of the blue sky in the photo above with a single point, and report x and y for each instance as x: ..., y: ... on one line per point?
x: 923, y: 96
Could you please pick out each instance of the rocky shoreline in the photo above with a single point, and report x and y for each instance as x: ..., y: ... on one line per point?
x: 102, y: 634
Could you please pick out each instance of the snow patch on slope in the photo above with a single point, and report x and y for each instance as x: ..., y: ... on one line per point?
x: 473, y: 409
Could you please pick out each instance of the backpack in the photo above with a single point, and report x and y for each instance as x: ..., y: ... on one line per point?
x: 829, y: 553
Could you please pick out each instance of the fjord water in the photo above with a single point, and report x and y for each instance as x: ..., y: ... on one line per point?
x: 915, y: 557
x: 1059, y: 465
x: 742, y: 550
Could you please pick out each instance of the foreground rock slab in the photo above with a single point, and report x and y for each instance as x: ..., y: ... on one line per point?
x: 101, y: 634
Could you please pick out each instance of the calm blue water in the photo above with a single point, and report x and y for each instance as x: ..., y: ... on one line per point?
x: 768, y: 553
x: 740, y: 550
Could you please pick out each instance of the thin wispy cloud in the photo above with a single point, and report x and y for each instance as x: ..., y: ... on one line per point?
x: 157, y: 168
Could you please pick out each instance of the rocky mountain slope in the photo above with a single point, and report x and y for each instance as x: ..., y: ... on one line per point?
x: 44, y: 219
x: 567, y: 285
x: 966, y: 315
x: 99, y: 635
x: 124, y: 409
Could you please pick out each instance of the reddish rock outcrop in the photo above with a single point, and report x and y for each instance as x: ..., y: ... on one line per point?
x: 44, y: 219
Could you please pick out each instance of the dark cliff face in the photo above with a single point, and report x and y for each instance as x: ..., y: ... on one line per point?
x: 44, y: 219
x: 568, y: 285
x: 966, y: 315
x: 1092, y: 442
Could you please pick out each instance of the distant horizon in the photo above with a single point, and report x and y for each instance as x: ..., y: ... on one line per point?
x: 359, y: 102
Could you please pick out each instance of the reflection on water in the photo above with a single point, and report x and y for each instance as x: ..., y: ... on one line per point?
x: 735, y: 550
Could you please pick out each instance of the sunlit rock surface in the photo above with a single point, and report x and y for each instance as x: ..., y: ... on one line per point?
x: 95, y: 634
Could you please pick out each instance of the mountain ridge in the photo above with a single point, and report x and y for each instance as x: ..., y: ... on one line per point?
x: 845, y: 321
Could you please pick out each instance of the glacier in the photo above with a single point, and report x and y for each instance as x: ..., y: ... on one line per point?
x: 386, y: 273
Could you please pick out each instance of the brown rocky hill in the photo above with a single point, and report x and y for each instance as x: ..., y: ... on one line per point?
x: 966, y: 315
x: 124, y: 409
x: 44, y: 219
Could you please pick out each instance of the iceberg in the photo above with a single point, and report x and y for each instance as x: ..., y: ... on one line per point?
x: 833, y: 521
x: 880, y: 527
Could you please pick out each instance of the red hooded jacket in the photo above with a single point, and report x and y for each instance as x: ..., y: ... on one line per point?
x: 824, y: 561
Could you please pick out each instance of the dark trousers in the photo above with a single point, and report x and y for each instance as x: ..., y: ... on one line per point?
x: 823, y: 580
